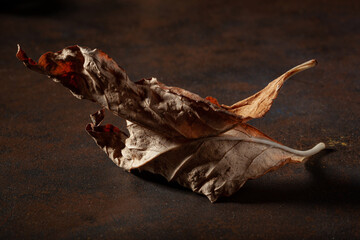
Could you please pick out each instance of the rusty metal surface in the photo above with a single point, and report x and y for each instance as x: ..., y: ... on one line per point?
x: 55, y: 183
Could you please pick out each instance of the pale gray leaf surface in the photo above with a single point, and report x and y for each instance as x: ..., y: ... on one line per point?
x: 213, y: 166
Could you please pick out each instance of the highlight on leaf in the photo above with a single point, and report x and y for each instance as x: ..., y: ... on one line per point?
x: 197, y: 142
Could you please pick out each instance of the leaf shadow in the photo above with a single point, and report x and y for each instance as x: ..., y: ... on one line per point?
x: 324, y: 188
x: 158, y: 179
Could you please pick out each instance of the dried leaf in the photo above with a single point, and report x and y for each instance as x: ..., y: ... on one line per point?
x: 197, y: 142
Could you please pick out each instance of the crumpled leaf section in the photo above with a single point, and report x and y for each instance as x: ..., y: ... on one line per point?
x: 92, y: 75
x: 197, y: 142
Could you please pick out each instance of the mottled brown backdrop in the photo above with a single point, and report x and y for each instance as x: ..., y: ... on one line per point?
x: 55, y: 183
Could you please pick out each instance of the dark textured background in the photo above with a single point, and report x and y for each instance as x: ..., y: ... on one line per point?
x: 55, y: 183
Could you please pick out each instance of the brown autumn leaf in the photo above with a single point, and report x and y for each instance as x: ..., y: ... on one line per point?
x: 197, y: 142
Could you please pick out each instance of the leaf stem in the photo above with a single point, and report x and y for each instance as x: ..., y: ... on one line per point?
x: 307, y: 153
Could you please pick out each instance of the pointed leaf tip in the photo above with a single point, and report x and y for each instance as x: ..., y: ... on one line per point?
x: 259, y: 104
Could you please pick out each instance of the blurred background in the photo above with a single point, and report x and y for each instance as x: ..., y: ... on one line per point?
x: 55, y: 183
